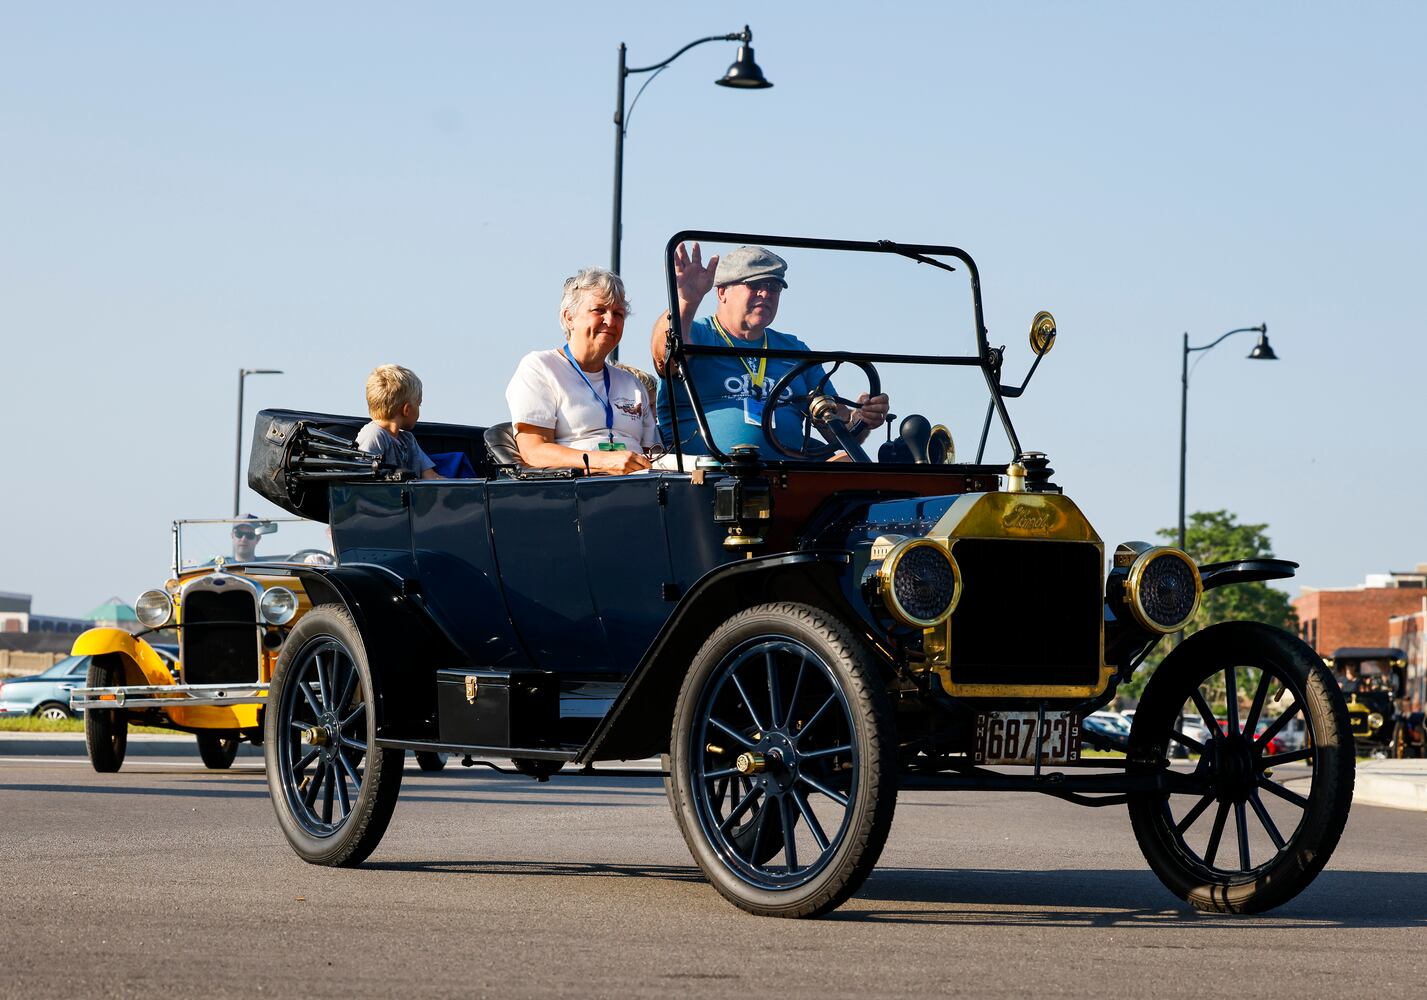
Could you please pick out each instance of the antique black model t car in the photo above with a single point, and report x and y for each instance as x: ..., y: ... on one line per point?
x: 1374, y: 679
x: 798, y: 639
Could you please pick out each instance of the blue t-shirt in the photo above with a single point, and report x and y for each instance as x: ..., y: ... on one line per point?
x: 725, y: 388
x: 396, y: 450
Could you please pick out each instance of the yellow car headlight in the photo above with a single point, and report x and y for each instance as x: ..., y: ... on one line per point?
x: 278, y: 605
x: 1163, y: 589
x: 919, y: 582
x: 154, y: 608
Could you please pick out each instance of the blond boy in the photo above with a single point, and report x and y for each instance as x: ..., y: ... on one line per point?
x: 394, y: 402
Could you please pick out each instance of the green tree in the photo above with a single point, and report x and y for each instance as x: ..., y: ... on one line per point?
x: 1217, y: 536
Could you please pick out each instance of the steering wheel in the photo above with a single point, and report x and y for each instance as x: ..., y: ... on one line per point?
x: 816, y: 409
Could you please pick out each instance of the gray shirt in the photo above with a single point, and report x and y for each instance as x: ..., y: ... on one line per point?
x: 399, y: 450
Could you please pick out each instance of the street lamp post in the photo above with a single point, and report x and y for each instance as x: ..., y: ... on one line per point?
x: 1261, y: 352
x: 744, y: 74
x: 238, y: 458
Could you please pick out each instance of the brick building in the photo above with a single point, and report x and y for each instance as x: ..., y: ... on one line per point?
x: 1330, y: 618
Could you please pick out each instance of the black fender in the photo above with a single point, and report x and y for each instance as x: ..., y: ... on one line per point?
x: 1127, y: 643
x: 404, y: 644
x: 1220, y: 574
x: 638, y: 723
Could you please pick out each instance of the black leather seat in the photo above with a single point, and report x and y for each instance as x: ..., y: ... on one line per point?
x: 500, y: 445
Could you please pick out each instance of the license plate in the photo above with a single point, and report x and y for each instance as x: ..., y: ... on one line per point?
x: 1011, y: 737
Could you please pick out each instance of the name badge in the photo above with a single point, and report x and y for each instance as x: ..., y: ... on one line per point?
x: 753, y: 411
x: 613, y: 446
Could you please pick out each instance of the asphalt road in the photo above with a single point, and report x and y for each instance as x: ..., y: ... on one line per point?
x: 170, y: 880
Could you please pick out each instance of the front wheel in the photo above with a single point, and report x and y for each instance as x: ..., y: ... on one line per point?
x: 333, y: 789
x: 218, y: 750
x: 783, y: 761
x: 1248, y: 829
x: 106, y: 731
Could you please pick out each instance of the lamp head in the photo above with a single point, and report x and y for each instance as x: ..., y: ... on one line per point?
x: 1262, y: 351
x: 744, y: 73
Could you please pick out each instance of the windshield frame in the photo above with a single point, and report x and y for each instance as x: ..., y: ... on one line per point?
x: 987, y: 359
x: 177, y: 570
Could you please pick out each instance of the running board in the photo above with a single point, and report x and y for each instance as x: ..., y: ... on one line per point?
x: 500, y: 753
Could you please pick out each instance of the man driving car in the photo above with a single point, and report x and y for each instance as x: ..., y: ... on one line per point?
x: 245, y: 540
x: 734, y: 391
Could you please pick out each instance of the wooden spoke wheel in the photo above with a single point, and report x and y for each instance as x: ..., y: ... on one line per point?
x: 1256, y: 823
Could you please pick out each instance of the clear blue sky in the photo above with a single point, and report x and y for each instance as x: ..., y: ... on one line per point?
x: 187, y: 189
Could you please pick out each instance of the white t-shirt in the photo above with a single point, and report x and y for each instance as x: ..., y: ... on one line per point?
x: 547, y: 391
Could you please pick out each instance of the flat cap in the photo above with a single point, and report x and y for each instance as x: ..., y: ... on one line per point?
x: 750, y: 264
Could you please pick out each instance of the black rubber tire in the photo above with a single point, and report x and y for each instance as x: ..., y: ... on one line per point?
x: 848, y: 670
x: 328, y: 631
x: 1236, y: 772
x: 106, y: 731
x: 218, y: 749
x: 430, y: 760
x: 52, y: 710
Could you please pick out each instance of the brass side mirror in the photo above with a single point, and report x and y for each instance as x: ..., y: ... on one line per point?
x: 1042, y: 333
x: 941, y: 450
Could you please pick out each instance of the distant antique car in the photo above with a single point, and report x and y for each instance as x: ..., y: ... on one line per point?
x: 232, y: 608
x: 797, y: 639
x: 1374, y: 679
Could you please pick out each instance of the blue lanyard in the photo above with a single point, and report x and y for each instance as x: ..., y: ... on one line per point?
x: 603, y: 400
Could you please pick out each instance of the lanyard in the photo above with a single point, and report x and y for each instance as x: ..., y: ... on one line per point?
x: 757, y: 376
x: 603, y: 400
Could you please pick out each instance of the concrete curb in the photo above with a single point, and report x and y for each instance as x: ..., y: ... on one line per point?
x: 1396, y: 784
x: 140, y: 744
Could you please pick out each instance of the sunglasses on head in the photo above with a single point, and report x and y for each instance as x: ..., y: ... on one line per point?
x: 244, y: 533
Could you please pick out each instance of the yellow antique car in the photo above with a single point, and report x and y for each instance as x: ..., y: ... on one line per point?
x: 232, y: 608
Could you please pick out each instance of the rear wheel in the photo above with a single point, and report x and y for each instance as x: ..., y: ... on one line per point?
x: 106, y: 730
x: 218, y: 749
x: 1247, y: 830
x: 430, y: 760
x: 333, y: 789
x: 783, y: 760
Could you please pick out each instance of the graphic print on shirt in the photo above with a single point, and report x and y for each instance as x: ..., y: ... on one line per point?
x: 741, y: 387
x: 630, y: 407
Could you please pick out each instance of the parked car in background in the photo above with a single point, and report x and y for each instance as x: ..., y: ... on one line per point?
x: 1193, y: 727
x: 1111, y: 727
x: 1273, y: 746
x: 46, y: 694
x: 1293, y: 735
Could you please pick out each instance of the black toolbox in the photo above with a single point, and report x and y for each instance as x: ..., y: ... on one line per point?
x: 497, y: 708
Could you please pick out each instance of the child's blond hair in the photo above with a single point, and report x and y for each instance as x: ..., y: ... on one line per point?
x: 389, y: 388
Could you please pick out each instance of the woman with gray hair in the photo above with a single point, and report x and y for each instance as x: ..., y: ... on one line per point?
x: 568, y: 408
